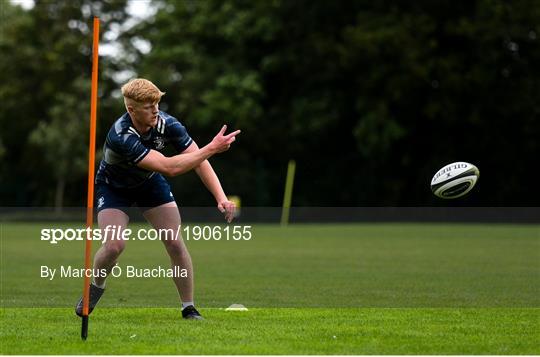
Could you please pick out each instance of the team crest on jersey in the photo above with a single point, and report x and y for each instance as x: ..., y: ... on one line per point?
x: 159, y: 143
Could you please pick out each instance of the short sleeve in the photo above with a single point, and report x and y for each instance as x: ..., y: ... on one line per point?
x: 178, y: 135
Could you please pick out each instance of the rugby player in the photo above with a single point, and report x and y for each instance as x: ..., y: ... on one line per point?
x: 131, y: 173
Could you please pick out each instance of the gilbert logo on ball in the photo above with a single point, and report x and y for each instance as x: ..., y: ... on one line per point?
x: 454, y: 180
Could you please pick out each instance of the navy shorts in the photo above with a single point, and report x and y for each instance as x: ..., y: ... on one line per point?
x: 152, y: 193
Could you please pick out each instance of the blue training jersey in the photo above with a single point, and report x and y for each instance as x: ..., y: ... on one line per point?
x: 124, y: 148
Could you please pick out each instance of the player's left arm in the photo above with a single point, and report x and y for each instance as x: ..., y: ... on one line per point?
x: 211, y: 181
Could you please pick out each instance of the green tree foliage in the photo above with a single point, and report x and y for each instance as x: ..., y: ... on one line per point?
x: 59, y: 140
x: 45, y: 95
x: 458, y: 79
x: 371, y: 98
x: 2, y: 150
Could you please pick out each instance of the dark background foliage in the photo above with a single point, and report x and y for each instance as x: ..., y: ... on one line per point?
x: 370, y: 98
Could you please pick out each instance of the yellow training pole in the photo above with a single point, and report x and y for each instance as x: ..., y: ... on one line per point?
x: 288, y: 193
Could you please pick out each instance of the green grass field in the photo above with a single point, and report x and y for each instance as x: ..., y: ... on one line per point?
x: 378, y: 288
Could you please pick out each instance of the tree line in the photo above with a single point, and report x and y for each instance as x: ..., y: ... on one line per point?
x: 369, y: 98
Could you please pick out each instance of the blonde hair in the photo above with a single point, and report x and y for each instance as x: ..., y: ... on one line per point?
x: 141, y: 90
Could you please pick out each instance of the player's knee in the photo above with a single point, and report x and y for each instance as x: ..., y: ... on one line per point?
x: 115, y: 249
x: 168, y: 236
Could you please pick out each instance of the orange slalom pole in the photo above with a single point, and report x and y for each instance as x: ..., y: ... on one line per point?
x: 91, y: 174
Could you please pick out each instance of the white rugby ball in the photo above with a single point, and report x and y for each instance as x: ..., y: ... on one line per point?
x: 454, y: 180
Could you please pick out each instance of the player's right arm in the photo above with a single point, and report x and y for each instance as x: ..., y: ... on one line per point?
x: 182, y: 163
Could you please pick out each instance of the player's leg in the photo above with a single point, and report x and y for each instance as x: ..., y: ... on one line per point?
x: 107, y: 255
x: 110, y: 215
x: 166, y: 218
x: 159, y: 208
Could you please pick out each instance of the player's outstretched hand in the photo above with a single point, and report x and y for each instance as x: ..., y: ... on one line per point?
x: 222, y: 142
x: 228, y: 208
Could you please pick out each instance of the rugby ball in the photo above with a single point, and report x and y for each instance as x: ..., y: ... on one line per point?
x: 454, y: 180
